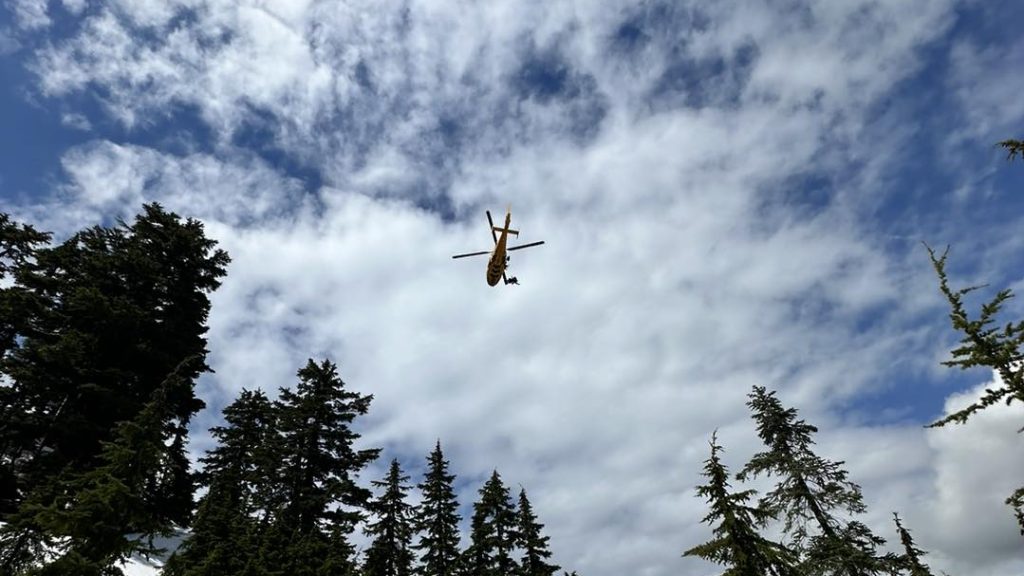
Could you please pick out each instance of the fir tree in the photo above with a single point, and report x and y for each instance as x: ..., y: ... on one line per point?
x: 319, y: 461
x: 810, y: 488
x: 737, y: 543
x: 532, y: 543
x: 175, y: 485
x: 242, y: 477
x: 910, y: 560
x: 92, y: 513
x: 390, y: 552
x: 106, y: 316
x: 493, y: 532
x: 985, y: 344
x: 437, y: 519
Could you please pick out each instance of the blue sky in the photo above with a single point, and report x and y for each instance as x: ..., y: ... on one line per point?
x: 732, y: 193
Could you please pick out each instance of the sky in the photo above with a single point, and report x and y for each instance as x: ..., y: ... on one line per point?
x: 731, y: 194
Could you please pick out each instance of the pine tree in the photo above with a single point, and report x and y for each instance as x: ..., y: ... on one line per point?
x: 493, y: 531
x: 910, y: 560
x: 737, y: 543
x: 437, y: 519
x: 810, y: 489
x: 105, y: 317
x: 319, y: 461
x: 390, y: 552
x: 242, y: 476
x: 532, y: 543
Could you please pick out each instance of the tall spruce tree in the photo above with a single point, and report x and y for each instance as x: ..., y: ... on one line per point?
x: 809, y: 491
x: 437, y: 519
x: 242, y: 477
x: 534, y: 545
x: 737, y: 543
x: 390, y: 551
x: 320, y: 462
x: 105, y: 316
x: 493, y: 533
x: 92, y: 513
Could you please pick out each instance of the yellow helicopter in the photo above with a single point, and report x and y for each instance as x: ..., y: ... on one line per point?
x: 499, y: 260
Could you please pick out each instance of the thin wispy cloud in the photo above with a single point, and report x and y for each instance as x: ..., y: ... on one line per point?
x: 730, y: 193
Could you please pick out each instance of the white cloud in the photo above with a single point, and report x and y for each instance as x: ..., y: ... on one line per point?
x: 76, y: 121
x: 677, y: 273
x: 30, y: 14
x: 8, y: 44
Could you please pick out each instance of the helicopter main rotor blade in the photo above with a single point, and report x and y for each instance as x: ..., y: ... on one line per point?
x: 491, y: 222
x: 471, y: 254
x: 525, y: 246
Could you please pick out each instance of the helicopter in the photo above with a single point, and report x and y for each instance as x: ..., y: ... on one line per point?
x: 499, y: 260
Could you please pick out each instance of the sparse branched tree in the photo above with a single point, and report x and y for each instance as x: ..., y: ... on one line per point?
x: 737, y: 543
x: 437, y: 519
x: 492, y: 532
x: 390, y: 552
x: 531, y: 541
x: 910, y: 560
x: 809, y: 490
x: 985, y: 344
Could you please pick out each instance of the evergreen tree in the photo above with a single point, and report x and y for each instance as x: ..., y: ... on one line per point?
x: 390, y: 552
x: 910, y: 560
x: 93, y: 513
x: 18, y: 245
x: 737, y: 544
x: 104, y: 317
x: 242, y: 477
x: 319, y: 461
x: 175, y: 484
x: 810, y: 489
x: 493, y: 532
x: 985, y: 344
x: 532, y: 543
x: 437, y: 519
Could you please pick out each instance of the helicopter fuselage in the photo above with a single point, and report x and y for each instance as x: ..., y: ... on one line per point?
x: 496, y: 265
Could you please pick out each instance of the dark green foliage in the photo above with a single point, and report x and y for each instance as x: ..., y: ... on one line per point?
x: 493, y: 533
x: 240, y: 473
x: 910, y: 560
x: 809, y: 491
x: 175, y: 483
x: 983, y: 344
x: 93, y: 512
x: 1013, y: 148
x: 437, y: 519
x: 532, y: 543
x: 737, y: 543
x: 105, y: 316
x: 18, y: 244
x: 318, y: 457
x: 986, y: 345
x: 390, y: 552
